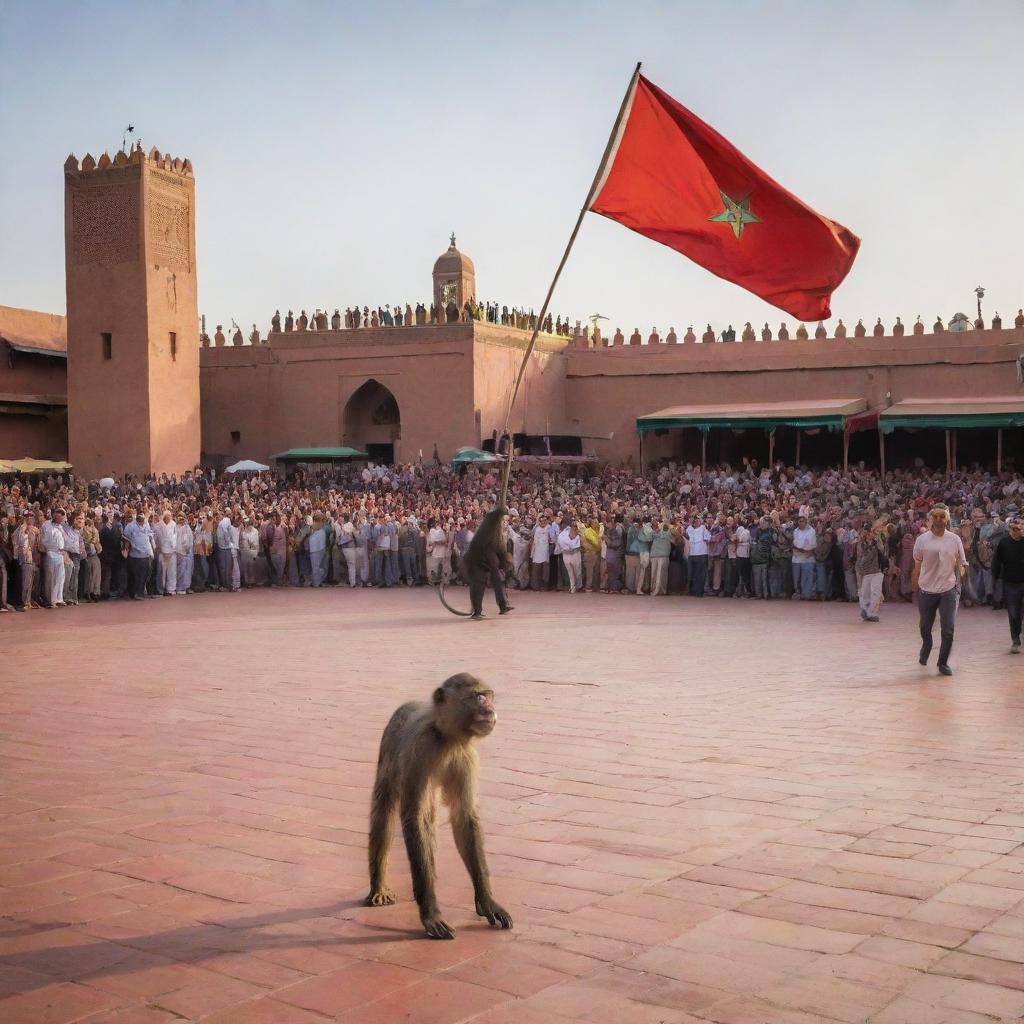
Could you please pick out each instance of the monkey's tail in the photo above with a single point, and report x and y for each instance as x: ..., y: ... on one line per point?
x: 440, y: 593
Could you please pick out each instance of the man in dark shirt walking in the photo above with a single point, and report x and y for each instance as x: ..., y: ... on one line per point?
x: 1008, y: 566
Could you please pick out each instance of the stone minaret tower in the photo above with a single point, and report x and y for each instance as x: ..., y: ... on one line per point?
x: 133, y: 326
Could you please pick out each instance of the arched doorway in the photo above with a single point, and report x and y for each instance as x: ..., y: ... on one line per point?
x: 372, y: 422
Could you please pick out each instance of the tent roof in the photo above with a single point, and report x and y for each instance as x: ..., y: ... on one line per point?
x: 317, y: 454
x: 28, y: 330
x: 821, y: 412
x: 28, y: 465
x: 992, y: 411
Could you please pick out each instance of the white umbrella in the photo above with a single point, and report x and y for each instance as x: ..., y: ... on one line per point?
x: 247, y: 466
x: 107, y: 481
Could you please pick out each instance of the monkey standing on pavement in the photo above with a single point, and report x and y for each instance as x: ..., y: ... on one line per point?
x: 486, y: 559
x: 428, y: 747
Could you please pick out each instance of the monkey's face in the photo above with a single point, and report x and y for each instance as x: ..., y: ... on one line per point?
x: 481, y: 708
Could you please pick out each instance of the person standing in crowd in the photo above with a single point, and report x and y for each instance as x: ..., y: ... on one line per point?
x: 760, y: 557
x: 939, y: 566
x: 54, y: 544
x: 138, y: 536
x: 741, y: 538
x: 519, y: 538
x: 591, y: 539
x: 92, y: 550
x: 540, y: 553
x: 202, y: 546
x: 569, y: 544
x: 184, y: 554
x: 318, y: 550
x: 346, y: 544
x: 660, y: 551
x: 277, y: 548
x: 614, y: 545
x: 556, y: 565
x: 249, y: 565
x: 632, y: 553
x: 1008, y: 569
x: 23, y: 545
x: 805, y: 540
x: 697, y: 538
x: 225, y: 556
x: 165, y: 537
x: 780, y: 568
x: 717, y: 547
x: 408, y: 550
x: 644, y: 537
x: 871, y: 564
x: 6, y: 562
x: 73, y: 557
x: 363, y: 540
x: 437, y: 553
x: 111, y: 559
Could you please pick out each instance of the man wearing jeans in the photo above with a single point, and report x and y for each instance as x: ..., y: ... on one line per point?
x: 939, y: 565
x: 1008, y: 566
x: 804, y: 542
x: 697, y: 537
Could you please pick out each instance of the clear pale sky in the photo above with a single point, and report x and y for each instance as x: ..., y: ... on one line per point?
x: 336, y: 145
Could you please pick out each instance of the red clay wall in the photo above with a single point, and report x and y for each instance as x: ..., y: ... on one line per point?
x: 609, y: 388
x: 497, y: 356
x: 292, y: 392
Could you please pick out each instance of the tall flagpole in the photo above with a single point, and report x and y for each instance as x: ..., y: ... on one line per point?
x: 613, y: 139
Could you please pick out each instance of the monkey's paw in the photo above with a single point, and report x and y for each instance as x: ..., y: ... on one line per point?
x: 381, y: 898
x: 494, y: 912
x: 438, y: 928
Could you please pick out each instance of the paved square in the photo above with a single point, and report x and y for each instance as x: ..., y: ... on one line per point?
x: 736, y: 812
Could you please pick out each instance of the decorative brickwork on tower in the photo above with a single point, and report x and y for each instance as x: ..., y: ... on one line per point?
x: 133, y: 355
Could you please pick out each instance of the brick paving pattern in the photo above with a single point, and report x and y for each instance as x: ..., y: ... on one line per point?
x: 696, y: 811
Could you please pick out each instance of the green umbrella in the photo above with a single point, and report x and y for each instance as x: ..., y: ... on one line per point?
x: 466, y: 455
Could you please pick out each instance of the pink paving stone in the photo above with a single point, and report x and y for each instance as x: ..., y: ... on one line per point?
x: 716, y: 811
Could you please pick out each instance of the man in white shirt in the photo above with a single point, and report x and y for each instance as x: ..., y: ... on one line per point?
x: 165, y: 538
x: 184, y: 556
x: 249, y: 553
x: 805, y: 540
x: 741, y: 540
x: 439, y: 562
x: 697, y: 537
x: 568, y: 546
x: 226, y: 555
x: 540, y: 553
x: 939, y: 566
x: 53, y: 543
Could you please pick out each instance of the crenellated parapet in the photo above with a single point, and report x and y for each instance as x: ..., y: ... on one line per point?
x: 958, y: 327
x: 134, y: 157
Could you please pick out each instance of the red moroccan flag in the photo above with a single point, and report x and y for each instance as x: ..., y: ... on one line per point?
x: 673, y: 178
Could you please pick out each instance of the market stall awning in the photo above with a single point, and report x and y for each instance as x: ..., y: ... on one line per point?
x: 824, y: 412
x: 33, y: 466
x: 947, y: 413
x: 318, y: 454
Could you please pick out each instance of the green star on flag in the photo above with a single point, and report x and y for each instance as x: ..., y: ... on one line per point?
x: 736, y: 213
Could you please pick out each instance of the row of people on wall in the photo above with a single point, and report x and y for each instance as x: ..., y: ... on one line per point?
x: 399, y: 316
x: 355, y: 318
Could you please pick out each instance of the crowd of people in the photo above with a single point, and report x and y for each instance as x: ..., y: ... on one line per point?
x: 739, y: 532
